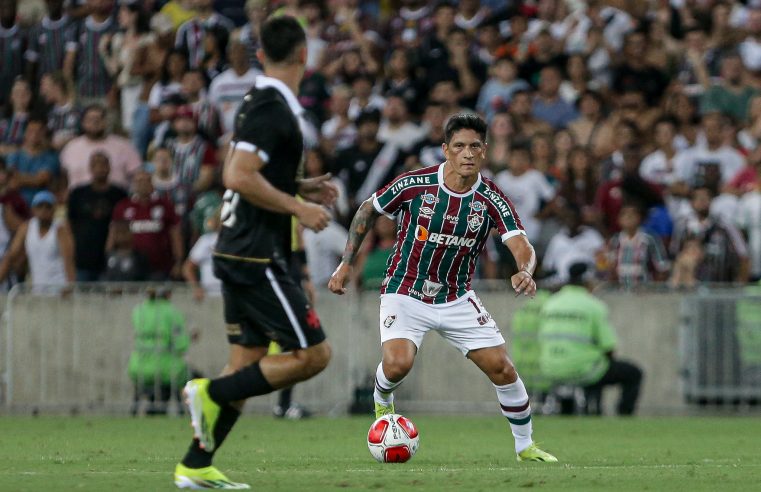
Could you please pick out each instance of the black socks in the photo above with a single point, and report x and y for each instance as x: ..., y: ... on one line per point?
x: 240, y: 385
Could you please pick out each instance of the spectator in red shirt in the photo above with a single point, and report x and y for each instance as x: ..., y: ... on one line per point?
x: 155, y: 228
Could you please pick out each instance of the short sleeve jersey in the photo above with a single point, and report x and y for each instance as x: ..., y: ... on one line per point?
x: 266, y: 125
x: 440, y: 233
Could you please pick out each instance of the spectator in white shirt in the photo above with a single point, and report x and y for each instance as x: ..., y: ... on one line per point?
x: 339, y: 132
x: 200, y: 261
x: 574, y: 243
x: 396, y: 126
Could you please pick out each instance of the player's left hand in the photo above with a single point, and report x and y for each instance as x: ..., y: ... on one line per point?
x: 319, y: 190
x: 523, y: 283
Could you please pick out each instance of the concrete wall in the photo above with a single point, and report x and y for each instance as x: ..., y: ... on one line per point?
x: 71, y: 354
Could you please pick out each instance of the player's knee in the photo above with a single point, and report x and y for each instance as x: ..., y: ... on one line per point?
x: 504, y: 373
x: 397, y: 366
x: 317, y: 359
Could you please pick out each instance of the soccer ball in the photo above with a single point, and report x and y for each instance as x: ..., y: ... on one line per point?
x: 393, y: 439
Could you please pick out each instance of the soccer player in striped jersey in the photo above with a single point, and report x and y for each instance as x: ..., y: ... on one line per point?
x: 446, y: 214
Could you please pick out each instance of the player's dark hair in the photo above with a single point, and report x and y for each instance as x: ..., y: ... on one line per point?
x: 464, y: 121
x: 281, y: 37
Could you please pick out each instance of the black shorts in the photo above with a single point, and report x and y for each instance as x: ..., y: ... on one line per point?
x: 272, y: 307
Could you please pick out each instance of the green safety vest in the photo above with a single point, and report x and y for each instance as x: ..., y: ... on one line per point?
x: 749, y: 326
x: 525, y: 348
x: 575, y: 337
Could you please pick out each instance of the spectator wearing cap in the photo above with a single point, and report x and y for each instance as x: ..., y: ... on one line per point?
x: 154, y: 226
x: 548, y: 106
x: 89, y: 210
x: 396, y: 126
x: 47, y: 245
x: 367, y: 163
x: 228, y: 88
x: 192, y: 34
x: 34, y: 165
x: 731, y: 95
x: 497, y: 92
x: 75, y: 156
x: 193, y: 157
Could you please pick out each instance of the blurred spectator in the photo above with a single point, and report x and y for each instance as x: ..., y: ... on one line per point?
x: 157, y: 366
x: 428, y: 151
x: 574, y: 243
x: 433, y: 45
x: 193, y: 157
x: 411, y: 23
x: 248, y: 35
x: 590, y: 129
x: 658, y: 166
x: 364, y: 99
x: 200, y: 261
x: 692, y: 70
x: 541, y: 55
x: 679, y: 106
x: 749, y: 221
x: 498, y: 91
x: 626, y: 135
x: 459, y: 65
x: 205, y: 206
x: 75, y: 156
x: 541, y: 150
x: 501, y: 133
x: 527, y: 188
x: 630, y: 106
x: 577, y: 82
x: 194, y: 94
x: 85, y: 64
x: 521, y: 111
x: 563, y: 142
x: 447, y: 93
x: 399, y: 79
x: 63, y: 116
x: 214, y: 61
x: 635, y: 257
x: 154, y: 226
x: 10, y: 198
x: 228, y: 88
x: 578, y: 346
x: 167, y: 184
x: 367, y: 164
x: 731, y: 95
x: 121, y: 51
x: 748, y: 137
x: 750, y: 48
x: 34, y: 165
x: 168, y: 85
x: 13, y: 44
x: 16, y: 116
x: 178, y: 12
x: 47, y: 245
x: 712, y: 164
x: 123, y: 262
x: 89, y: 209
x: 370, y: 268
x: 634, y: 71
x: 612, y: 24
x: 50, y: 40
x: 579, y: 187
x: 339, y: 132
x: 724, y: 256
x: 628, y: 185
x: 396, y: 127
x: 191, y: 36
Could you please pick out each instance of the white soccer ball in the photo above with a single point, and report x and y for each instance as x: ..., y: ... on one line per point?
x: 393, y: 439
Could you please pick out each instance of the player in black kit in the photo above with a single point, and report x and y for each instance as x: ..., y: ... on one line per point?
x: 261, y: 300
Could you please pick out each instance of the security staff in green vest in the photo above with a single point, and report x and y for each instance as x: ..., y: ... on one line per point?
x: 157, y: 366
x: 577, y: 345
x: 525, y: 348
x: 749, y: 334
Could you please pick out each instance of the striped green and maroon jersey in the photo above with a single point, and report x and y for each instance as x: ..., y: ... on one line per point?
x: 12, y: 47
x: 49, y: 42
x: 440, y: 232
x: 93, y: 79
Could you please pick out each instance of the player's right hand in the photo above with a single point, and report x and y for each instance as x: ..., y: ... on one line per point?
x: 338, y: 279
x: 313, y: 216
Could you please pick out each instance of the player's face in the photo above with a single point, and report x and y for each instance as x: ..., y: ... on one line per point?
x: 465, y: 152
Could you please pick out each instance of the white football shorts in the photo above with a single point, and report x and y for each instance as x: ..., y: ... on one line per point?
x: 464, y: 323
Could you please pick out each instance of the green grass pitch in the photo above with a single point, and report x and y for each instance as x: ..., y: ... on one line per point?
x: 456, y: 453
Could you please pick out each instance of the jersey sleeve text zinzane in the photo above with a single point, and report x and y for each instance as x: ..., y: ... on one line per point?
x: 390, y: 199
x: 500, y: 210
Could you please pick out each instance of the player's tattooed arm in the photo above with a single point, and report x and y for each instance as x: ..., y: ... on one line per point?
x: 360, y: 225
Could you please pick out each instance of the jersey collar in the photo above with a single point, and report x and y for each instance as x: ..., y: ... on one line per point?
x: 454, y: 193
x: 263, y: 82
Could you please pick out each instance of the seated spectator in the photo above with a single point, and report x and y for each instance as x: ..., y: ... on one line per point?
x: 635, y: 257
x: 724, y: 256
x: 200, y: 261
x: 548, y: 106
x: 47, y: 245
x: 712, y: 164
x: 194, y: 159
x: 574, y: 243
x: 155, y: 228
x: 396, y: 128
x: 89, y: 211
x: 498, y: 91
x: 123, y: 262
x: 428, y: 151
x: 75, y: 156
x: 63, y: 116
x: 339, y: 132
x: 17, y: 114
x: 527, y: 188
x: 731, y: 95
x: 34, y: 165
x: 577, y: 346
x: 228, y: 88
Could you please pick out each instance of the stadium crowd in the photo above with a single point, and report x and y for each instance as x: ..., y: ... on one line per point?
x: 626, y: 133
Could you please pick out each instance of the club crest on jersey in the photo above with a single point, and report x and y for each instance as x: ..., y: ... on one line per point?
x: 389, y: 320
x: 475, y: 222
x: 429, y: 198
x: 430, y: 288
